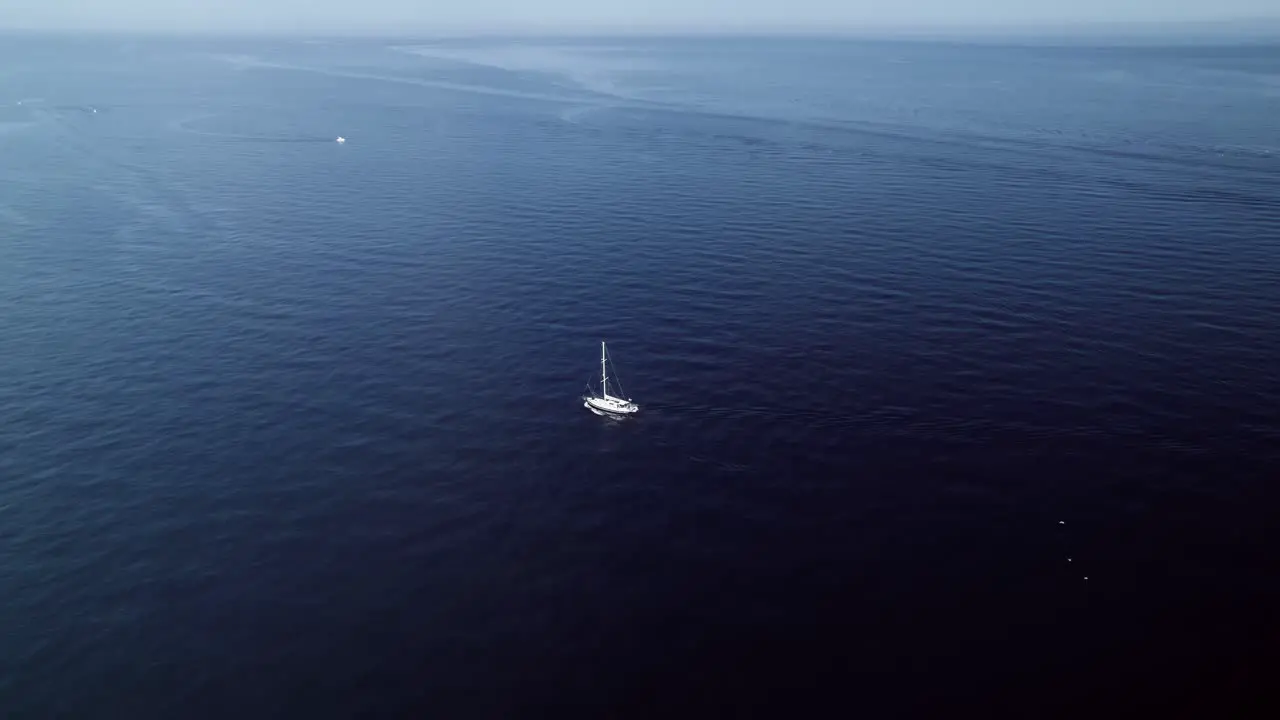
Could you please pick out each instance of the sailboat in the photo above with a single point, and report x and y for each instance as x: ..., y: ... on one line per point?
x: 604, y: 403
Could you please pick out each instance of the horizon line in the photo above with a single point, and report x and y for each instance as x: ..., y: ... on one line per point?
x: 1243, y: 27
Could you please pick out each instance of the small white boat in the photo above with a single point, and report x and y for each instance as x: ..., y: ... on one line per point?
x: 340, y: 139
x: 604, y: 403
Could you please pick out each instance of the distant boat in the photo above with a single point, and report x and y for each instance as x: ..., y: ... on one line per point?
x: 341, y: 139
x: 604, y: 403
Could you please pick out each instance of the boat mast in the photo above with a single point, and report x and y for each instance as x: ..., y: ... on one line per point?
x: 604, y: 374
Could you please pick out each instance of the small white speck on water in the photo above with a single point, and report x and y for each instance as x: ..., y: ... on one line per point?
x: 1062, y: 522
x: 1068, y: 559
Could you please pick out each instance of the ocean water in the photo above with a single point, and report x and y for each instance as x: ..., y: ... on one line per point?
x: 958, y: 364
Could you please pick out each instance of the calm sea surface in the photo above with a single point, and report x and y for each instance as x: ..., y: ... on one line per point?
x: 959, y: 369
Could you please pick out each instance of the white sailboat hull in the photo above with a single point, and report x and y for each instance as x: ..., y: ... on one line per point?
x: 610, y: 405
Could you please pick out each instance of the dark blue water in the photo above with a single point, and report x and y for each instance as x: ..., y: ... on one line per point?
x: 959, y: 368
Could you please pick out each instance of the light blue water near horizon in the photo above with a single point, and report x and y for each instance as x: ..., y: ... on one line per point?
x: 924, y: 334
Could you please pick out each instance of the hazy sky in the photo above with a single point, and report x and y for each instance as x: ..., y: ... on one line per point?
x: 316, y: 16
